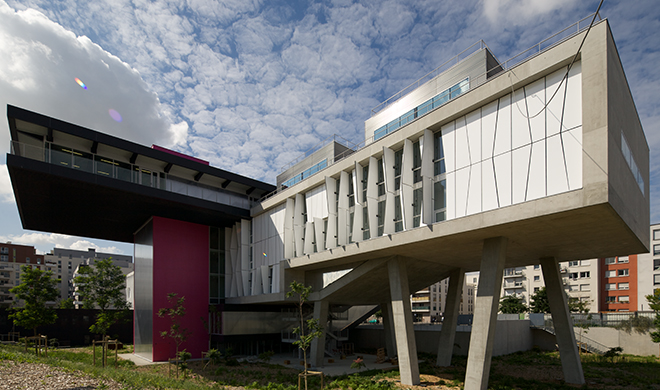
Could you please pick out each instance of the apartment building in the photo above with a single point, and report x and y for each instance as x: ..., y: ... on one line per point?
x: 12, y: 258
x: 428, y: 304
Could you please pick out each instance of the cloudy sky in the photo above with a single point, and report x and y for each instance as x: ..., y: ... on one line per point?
x: 249, y: 85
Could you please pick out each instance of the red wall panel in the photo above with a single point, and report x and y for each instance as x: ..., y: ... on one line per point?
x: 181, y: 265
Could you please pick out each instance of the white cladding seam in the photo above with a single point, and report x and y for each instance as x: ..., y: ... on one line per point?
x: 495, y: 156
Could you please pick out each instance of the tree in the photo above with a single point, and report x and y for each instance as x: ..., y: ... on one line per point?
x: 66, y: 304
x: 511, y: 304
x: 539, y: 301
x: 654, y: 303
x: 175, y: 313
x: 314, y: 330
x: 102, y: 286
x: 37, y: 287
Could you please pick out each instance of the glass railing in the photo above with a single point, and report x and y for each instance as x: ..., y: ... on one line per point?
x: 103, y: 166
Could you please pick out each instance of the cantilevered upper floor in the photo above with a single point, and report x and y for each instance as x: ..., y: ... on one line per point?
x: 72, y: 180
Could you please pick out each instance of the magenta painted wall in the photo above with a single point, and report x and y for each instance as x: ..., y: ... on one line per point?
x: 181, y: 265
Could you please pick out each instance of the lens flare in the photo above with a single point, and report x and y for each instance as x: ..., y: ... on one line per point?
x: 265, y: 255
x: 114, y: 115
x: 80, y: 83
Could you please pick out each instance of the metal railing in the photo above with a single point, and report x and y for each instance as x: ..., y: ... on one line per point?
x: 333, y: 138
x: 106, y: 167
x: 479, y: 45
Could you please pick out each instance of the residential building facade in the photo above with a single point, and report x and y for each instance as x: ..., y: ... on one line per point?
x: 12, y: 258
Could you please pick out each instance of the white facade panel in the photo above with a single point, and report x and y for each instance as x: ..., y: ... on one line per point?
x: 535, y: 93
x: 473, y: 126
x: 573, y: 105
x: 448, y: 146
x: 488, y: 187
x: 573, y: 150
x: 462, y: 149
x: 503, y: 127
x: 358, y: 177
x: 474, y: 190
x: 536, y: 180
x: 555, y: 109
x: 520, y: 132
x: 319, y: 234
x: 343, y: 218
x: 520, y: 172
x: 358, y: 223
x: 388, y: 224
x: 462, y: 185
x: 299, y: 224
x: 309, y: 238
x: 556, y: 169
x: 316, y: 203
x: 331, y: 195
x: 488, y: 123
x: 388, y: 169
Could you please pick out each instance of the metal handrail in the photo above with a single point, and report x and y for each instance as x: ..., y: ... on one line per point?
x: 454, y: 61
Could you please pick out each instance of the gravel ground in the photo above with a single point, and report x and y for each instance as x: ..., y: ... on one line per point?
x: 30, y: 376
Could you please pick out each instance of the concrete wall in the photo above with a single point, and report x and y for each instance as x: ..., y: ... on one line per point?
x: 510, y: 337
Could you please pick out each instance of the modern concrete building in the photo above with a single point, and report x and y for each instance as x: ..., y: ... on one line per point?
x: 482, y: 166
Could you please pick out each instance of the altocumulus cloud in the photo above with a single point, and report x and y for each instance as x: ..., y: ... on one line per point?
x: 41, y: 61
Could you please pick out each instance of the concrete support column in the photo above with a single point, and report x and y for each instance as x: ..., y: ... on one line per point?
x: 403, y: 323
x: 448, y: 334
x: 485, y: 313
x: 561, y: 318
x: 318, y: 344
x: 388, y: 328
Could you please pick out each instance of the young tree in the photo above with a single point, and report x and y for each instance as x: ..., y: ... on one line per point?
x: 103, y: 286
x: 175, y: 313
x: 37, y: 287
x: 314, y: 330
x: 654, y: 302
x: 511, y: 304
x: 539, y: 301
x: 66, y: 304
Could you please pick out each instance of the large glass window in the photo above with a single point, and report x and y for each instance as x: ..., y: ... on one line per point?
x: 216, y: 264
x: 439, y: 200
x: 438, y: 155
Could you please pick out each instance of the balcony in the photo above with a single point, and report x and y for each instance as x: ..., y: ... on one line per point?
x: 517, y: 285
x: 513, y: 274
x: 420, y: 299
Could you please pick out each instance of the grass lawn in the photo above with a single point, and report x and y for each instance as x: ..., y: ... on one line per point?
x: 524, y: 370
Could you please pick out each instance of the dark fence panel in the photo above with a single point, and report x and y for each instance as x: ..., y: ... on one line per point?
x: 72, y: 327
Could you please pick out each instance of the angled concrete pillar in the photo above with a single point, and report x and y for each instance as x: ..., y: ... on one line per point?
x: 561, y: 318
x: 318, y: 344
x: 485, y: 313
x: 403, y: 323
x: 388, y: 328
x: 448, y: 334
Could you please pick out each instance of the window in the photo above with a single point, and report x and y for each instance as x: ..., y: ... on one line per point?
x: 610, y: 273
x: 628, y: 156
x: 537, y: 278
x: 610, y: 299
x: 573, y: 287
x: 656, y: 279
x: 624, y: 298
x: 656, y: 264
x: 536, y: 267
x: 585, y: 274
x: 585, y: 287
x: 536, y: 289
x: 4, y: 258
x: 610, y: 260
x: 573, y: 263
x: 585, y: 262
x: 656, y: 249
x: 656, y: 234
x: 610, y: 286
x: 623, y: 272
x: 623, y: 259
x: 623, y: 286
x: 573, y: 275
x: 27, y: 260
x: 4, y: 250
